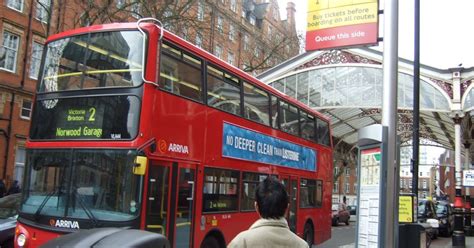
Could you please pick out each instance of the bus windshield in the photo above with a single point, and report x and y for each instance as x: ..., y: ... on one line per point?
x: 82, y: 184
x: 93, y: 60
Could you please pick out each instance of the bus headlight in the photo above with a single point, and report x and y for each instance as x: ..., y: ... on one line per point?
x: 21, y: 240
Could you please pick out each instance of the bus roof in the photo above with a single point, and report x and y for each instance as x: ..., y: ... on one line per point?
x: 192, y: 48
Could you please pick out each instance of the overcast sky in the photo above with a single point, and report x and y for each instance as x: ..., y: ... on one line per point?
x: 447, y: 38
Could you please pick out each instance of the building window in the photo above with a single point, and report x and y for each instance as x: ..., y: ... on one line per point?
x: 167, y: 20
x: 20, y: 156
x: 15, y: 4
x: 136, y: 9
x: 199, y: 40
x: 35, y: 59
x: 42, y: 10
x: 335, y: 187
x: 233, y: 5
x: 10, y: 46
x: 200, y: 12
x: 347, y: 188
x: 270, y: 31
x: 257, y: 52
x: 120, y: 3
x: 220, y: 24
x: 336, y: 170
x: 231, y: 32
x: 425, y: 184
x: 252, y: 19
x: 355, y: 188
x: 26, y: 109
x: 218, y: 51
x: 246, y: 42
x: 348, y: 172
x: 421, y: 173
x: 185, y: 33
x: 275, y: 14
x: 230, y: 58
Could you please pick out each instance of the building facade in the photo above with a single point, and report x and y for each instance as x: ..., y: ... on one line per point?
x: 250, y: 34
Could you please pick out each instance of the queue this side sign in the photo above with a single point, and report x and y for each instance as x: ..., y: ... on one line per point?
x: 341, y: 23
x: 241, y: 143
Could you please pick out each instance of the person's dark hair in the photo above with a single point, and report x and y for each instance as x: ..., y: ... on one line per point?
x: 272, y: 199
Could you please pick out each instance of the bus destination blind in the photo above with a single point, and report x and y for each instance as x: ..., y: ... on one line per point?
x: 111, y: 117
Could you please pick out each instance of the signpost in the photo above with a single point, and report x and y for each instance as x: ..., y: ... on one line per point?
x: 371, y: 195
x: 468, y: 178
x: 336, y: 23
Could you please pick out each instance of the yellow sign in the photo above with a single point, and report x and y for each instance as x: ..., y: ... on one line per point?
x: 405, y: 209
x: 341, y: 23
x: 342, y: 16
x: 316, y: 5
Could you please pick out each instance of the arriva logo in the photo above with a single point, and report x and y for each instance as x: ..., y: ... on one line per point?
x: 178, y: 148
x: 64, y: 224
x: 163, y: 147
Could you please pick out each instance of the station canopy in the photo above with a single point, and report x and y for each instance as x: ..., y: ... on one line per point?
x: 347, y: 86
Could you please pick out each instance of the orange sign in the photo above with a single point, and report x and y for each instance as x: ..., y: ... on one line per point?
x: 339, y: 23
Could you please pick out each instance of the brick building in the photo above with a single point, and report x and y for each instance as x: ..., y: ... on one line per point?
x: 246, y: 33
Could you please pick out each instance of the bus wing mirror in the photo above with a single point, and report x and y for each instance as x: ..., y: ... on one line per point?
x: 140, y: 165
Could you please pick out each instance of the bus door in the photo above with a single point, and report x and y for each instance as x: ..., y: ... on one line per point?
x: 170, y: 201
x: 291, y: 184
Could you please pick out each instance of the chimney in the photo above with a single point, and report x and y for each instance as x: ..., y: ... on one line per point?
x: 290, y: 13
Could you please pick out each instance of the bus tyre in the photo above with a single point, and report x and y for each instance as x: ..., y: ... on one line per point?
x: 308, y: 234
x: 210, y: 242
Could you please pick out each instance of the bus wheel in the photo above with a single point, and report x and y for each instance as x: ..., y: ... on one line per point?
x: 308, y: 234
x: 210, y: 242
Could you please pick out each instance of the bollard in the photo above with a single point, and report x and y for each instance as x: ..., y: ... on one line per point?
x: 467, y: 217
x: 458, y: 239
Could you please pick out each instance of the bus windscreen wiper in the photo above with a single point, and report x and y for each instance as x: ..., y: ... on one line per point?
x: 43, y: 203
x: 87, y: 210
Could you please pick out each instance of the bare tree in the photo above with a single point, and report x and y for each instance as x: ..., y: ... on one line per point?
x: 182, y: 18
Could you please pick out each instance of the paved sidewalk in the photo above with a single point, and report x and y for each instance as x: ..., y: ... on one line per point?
x: 447, y: 242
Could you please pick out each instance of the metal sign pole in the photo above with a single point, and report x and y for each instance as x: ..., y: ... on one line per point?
x: 389, y: 119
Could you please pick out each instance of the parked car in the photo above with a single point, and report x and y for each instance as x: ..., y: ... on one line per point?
x: 340, y: 214
x: 352, y: 209
x: 427, y: 214
x: 444, y: 211
x: 8, y: 213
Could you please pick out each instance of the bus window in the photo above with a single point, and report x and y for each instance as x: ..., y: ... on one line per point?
x: 309, y: 196
x: 289, y: 118
x: 274, y: 112
x: 319, y: 193
x: 223, y: 91
x: 180, y: 73
x: 220, y: 192
x: 249, y: 185
x: 307, y: 126
x: 323, y: 132
x: 103, y: 59
x: 256, y: 104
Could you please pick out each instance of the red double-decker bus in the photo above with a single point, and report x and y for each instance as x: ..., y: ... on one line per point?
x: 134, y: 127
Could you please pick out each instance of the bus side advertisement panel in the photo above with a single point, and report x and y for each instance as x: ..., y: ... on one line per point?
x: 248, y: 145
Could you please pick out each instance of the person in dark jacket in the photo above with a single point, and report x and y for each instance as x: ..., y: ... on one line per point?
x: 3, y: 188
x: 15, y: 188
